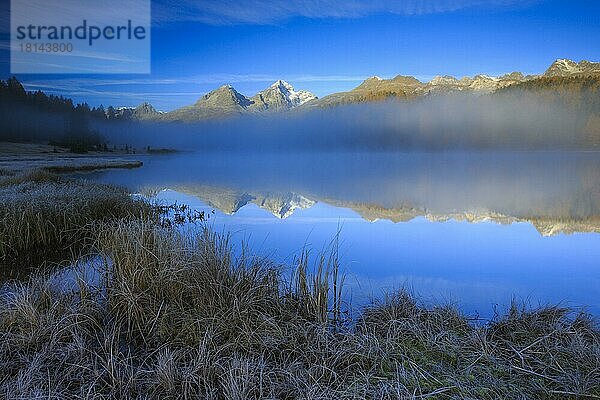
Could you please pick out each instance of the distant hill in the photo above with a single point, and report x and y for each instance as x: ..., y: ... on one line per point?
x: 582, y: 92
x: 373, y: 89
x: 222, y: 102
x: 578, y: 91
x: 408, y: 87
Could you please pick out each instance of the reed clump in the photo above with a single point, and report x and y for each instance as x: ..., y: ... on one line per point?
x: 42, y: 214
x: 180, y: 315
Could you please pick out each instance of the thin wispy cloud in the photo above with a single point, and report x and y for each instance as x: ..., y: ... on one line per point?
x: 260, y: 12
x: 167, y: 92
x: 116, y: 97
x: 74, y: 84
x: 94, y: 85
x: 118, y: 94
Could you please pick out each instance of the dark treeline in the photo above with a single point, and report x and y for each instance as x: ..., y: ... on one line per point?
x: 579, y: 92
x: 577, y: 95
x: 38, y: 117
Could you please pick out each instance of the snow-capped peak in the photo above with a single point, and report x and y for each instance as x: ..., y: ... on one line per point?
x: 486, y: 77
x: 444, y: 80
x: 282, y: 84
x: 563, y: 67
x: 566, y: 62
x: 293, y: 97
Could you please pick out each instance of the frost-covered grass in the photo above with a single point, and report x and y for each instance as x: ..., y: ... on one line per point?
x: 21, y: 157
x: 41, y: 214
x: 91, y: 165
x: 179, y: 316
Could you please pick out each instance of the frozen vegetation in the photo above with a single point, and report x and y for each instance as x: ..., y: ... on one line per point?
x: 178, y: 315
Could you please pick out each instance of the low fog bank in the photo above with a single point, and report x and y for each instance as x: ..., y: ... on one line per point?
x: 433, y: 123
x: 518, y: 184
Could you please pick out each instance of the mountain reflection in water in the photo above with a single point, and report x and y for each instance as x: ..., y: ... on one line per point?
x: 518, y: 198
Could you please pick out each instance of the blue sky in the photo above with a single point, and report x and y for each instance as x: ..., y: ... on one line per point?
x: 331, y: 45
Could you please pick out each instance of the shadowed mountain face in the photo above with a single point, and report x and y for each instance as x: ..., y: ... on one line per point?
x: 226, y: 101
x: 225, y: 96
x: 554, y: 192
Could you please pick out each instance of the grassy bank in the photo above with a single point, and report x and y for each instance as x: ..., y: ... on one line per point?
x: 92, y: 166
x: 179, y: 316
x: 43, y: 215
x: 21, y: 157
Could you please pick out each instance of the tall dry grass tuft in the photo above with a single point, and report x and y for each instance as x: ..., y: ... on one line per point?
x: 42, y: 214
x: 319, y: 290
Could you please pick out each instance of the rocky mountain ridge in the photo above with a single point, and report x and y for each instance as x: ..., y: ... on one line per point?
x: 564, y: 68
x: 144, y: 111
x: 408, y: 87
x: 225, y: 101
x: 280, y: 96
x: 283, y: 205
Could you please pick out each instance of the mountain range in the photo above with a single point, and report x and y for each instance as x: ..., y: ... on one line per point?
x: 225, y: 101
x: 283, y: 204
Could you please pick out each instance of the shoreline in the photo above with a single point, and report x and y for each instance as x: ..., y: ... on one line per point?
x: 180, y: 315
x: 19, y: 157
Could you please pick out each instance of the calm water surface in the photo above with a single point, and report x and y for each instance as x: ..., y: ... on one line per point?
x: 473, y: 229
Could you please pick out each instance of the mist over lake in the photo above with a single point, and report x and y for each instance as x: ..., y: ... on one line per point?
x: 472, y: 228
x: 505, y: 120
